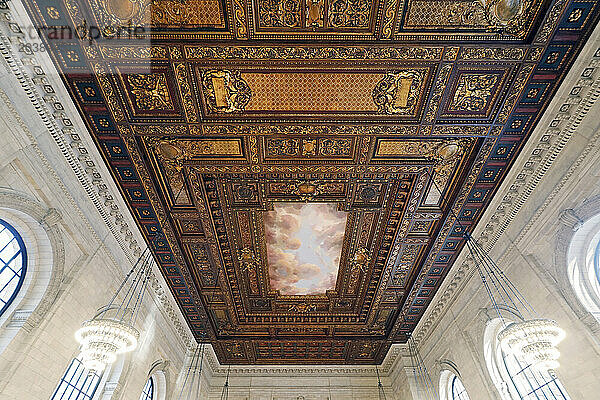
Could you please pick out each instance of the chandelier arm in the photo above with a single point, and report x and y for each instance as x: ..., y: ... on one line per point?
x: 138, y: 304
x: 488, y: 266
x: 123, y: 283
x: 380, y: 389
x: 468, y: 237
x: 225, y: 391
x: 199, y: 383
x: 197, y: 372
x: 416, y: 373
x: 429, y: 383
x: 422, y: 374
x: 123, y: 306
x: 504, y: 278
x: 130, y: 294
x: 196, y: 350
x: 194, y: 368
x: 484, y: 281
x: 518, y: 295
x: 427, y: 377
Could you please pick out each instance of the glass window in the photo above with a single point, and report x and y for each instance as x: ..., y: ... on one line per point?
x: 458, y: 390
x: 583, y: 265
x: 532, y: 384
x: 597, y: 262
x: 77, y: 383
x: 13, y: 261
x: 148, y: 392
x: 513, y: 378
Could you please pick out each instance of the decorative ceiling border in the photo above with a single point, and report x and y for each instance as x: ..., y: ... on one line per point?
x: 43, y: 92
x: 566, y: 117
x: 388, y: 365
x: 43, y: 87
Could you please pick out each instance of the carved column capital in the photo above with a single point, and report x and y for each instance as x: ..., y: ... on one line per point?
x: 569, y: 218
x: 52, y: 217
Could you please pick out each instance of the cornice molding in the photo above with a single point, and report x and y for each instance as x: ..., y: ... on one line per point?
x: 43, y: 88
x: 388, y: 365
x: 529, y: 170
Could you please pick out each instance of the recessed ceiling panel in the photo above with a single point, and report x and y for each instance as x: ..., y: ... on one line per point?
x: 304, y: 245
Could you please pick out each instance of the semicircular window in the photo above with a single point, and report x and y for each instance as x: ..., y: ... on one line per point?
x: 13, y: 261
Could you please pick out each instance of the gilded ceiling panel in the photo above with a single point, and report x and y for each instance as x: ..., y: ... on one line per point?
x: 298, y: 167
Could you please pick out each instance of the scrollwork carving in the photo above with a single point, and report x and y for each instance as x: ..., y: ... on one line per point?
x: 398, y: 92
x: 225, y: 91
x: 473, y: 92
x: 279, y: 13
x: 349, y: 13
x: 150, y: 91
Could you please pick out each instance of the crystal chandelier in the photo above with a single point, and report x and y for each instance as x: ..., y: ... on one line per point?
x: 533, y: 339
x: 111, y: 331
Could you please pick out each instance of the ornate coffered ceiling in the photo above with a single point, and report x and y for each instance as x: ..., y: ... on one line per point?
x: 214, y: 116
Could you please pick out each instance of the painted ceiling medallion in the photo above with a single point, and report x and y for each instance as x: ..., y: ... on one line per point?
x: 123, y: 10
x: 505, y: 10
x: 304, y: 245
x: 306, y: 190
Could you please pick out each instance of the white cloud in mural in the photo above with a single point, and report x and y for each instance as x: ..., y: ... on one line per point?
x: 304, y: 244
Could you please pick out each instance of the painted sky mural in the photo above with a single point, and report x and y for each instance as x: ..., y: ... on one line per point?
x: 304, y: 244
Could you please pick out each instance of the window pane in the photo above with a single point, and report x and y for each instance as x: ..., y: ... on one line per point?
x: 148, y: 391
x: 458, y: 390
x: 532, y: 384
x: 77, y: 383
x: 13, y: 261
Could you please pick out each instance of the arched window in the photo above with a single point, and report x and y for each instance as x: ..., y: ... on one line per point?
x: 597, y: 263
x: 532, y: 384
x: 451, y: 387
x: 77, y: 383
x: 458, y: 390
x: 515, y: 379
x: 13, y: 264
x: 583, y: 264
x: 156, y: 385
x: 148, y: 392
